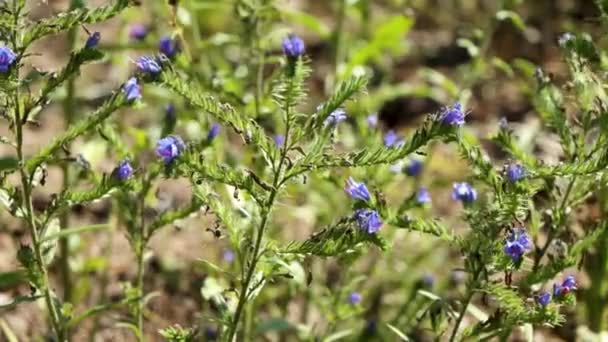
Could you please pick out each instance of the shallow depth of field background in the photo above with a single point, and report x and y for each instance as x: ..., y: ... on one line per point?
x: 412, y: 75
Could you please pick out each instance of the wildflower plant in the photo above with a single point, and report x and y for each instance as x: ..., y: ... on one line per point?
x: 262, y: 156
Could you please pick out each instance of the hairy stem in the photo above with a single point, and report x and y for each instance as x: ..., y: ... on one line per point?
x: 26, y: 189
x: 265, y: 214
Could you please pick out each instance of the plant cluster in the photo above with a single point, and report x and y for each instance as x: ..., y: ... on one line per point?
x: 516, y: 229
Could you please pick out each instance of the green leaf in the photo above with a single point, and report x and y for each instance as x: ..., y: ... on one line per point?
x: 398, y: 332
x: 8, y: 163
x: 48, y: 243
x: 387, y: 36
x: 337, y: 336
x: 116, y: 101
x: 338, y: 239
x: 433, y: 227
x: 18, y: 300
x: 515, y: 19
x: 10, y: 279
x: 71, y: 231
x: 344, y: 91
x: 275, y: 324
x: 55, y: 80
x: 225, y: 113
x: 75, y: 18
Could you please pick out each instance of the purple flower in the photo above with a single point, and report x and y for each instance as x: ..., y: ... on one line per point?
x: 138, y: 32
x: 7, y: 58
x: 335, y: 118
x: 93, y: 40
x: 368, y: 220
x: 148, y: 65
x: 515, y: 172
x: 414, y: 168
x: 464, y: 192
x: 228, y: 256
x: 131, y: 89
x: 372, y: 120
x: 392, y: 139
x: 293, y: 46
x: 169, y: 148
x: 517, y: 243
x: 423, y: 196
x: 357, y: 191
x: 279, y: 139
x: 124, y: 170
x: 168, y: 46
x: 567, y: 286
x: 213, y: 131
x: 354, y: 298
x: 543, y: 298
x: 453, y: 116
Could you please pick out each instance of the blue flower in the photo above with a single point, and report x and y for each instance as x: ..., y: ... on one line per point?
x: 543, y: 298
x: 423, y: 196
x: 464, y: 192
x: 392, y: 139
x: 427, y: 280
x: 515, y: 172
x: 131, y: 89
x: 279, y: 139
x: 517, y: 243
x: 170, y: 112
x: 503, y: 124
x: 169, y: 148
x: 213, y: 131
x: 138, y: 32
x: 414, y: 168
x: 354, y: 298
x: 453, y: 116
x: 357, y: 191
x: 567, y: 286
x: 293, y: 46
x: 228, y: 256
x: 93, y: 40
x: 148, y: 65
x: 372, y: 120
x: 7, y: 58
x: 569, y: 283
x: 168, y: 46
x: 124, y: 170
x: 368, y: 220
x: 335, y: 118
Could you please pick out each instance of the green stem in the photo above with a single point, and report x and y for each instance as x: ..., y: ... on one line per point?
x: 265, y: 214
x: 140, y: 251
x: 538, y: 257
x: 465, y: 304
x: 26, y: 188
x: 139, y: 285
x: 64, y: 219
x: 27, y: 203
x: 338, y: 34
